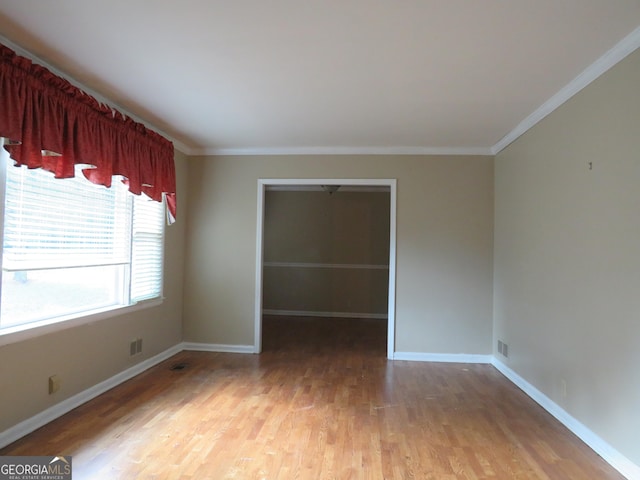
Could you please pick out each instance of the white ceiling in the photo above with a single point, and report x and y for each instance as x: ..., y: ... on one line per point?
x: 329, y: 76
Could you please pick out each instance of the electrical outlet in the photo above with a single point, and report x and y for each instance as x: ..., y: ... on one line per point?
x: 54, y: 384
x: 500, y: 346
x: 138, y: 345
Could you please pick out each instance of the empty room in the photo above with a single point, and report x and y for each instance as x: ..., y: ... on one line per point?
x: 320, y: 240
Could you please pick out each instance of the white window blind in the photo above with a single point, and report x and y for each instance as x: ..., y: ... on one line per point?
x: 70, y: 246
x: 53, y: 223
x: 148, y: 234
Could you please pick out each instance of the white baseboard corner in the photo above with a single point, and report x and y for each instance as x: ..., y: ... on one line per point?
x: 614, y: 458
x: 442, y: 357
x: 31, y: 424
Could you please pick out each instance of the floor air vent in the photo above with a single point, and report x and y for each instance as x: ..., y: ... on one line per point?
x: 179, y: 366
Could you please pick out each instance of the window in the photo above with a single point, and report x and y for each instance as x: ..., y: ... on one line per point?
x: 71, y: 248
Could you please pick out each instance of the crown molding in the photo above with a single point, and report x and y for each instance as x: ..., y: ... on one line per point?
x: 616, y: 54
x: 182, y: 147
x: 482, y: 151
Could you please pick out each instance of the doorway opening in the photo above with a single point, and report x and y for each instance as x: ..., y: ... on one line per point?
x: 328, y: 185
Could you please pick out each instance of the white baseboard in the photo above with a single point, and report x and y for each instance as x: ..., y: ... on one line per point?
x: 618, y: 461
x: 217, y: 347
x: 614, y: 458
x: 31, y: 424
x: 308, y: 313
x: 442, y: 357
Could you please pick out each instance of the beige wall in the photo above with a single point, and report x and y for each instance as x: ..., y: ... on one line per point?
x: 313, y: 227
x: 444, y: 245
x: 87, y: 355
x: 567, y: 256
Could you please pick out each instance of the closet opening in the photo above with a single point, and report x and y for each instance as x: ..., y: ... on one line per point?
x: 325, y: 252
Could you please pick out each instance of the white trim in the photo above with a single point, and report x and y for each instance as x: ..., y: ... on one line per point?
x: 4, y: 161
x: 217, y: 347
x: 366, y: 182
x: 614, y: 458
x: 318, y: 188
x: 391, y: 308
x: 31, y: 424
x: 263, y: 183
x: 309, y: 313
x: 616, y: 54
x: 443, y: 357
x: 445, y: 151
x: 257, y: 314
x: 347, y: 266
x: 25, y: 331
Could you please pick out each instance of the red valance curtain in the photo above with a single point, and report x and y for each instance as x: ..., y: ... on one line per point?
x: 41, y: 112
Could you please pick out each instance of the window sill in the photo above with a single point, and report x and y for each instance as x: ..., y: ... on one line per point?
x: 36, y: 329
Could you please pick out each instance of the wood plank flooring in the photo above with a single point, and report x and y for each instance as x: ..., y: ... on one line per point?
x: 321, y: 402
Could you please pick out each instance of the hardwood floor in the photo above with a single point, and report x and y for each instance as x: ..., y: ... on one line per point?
x: 321, y: 402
